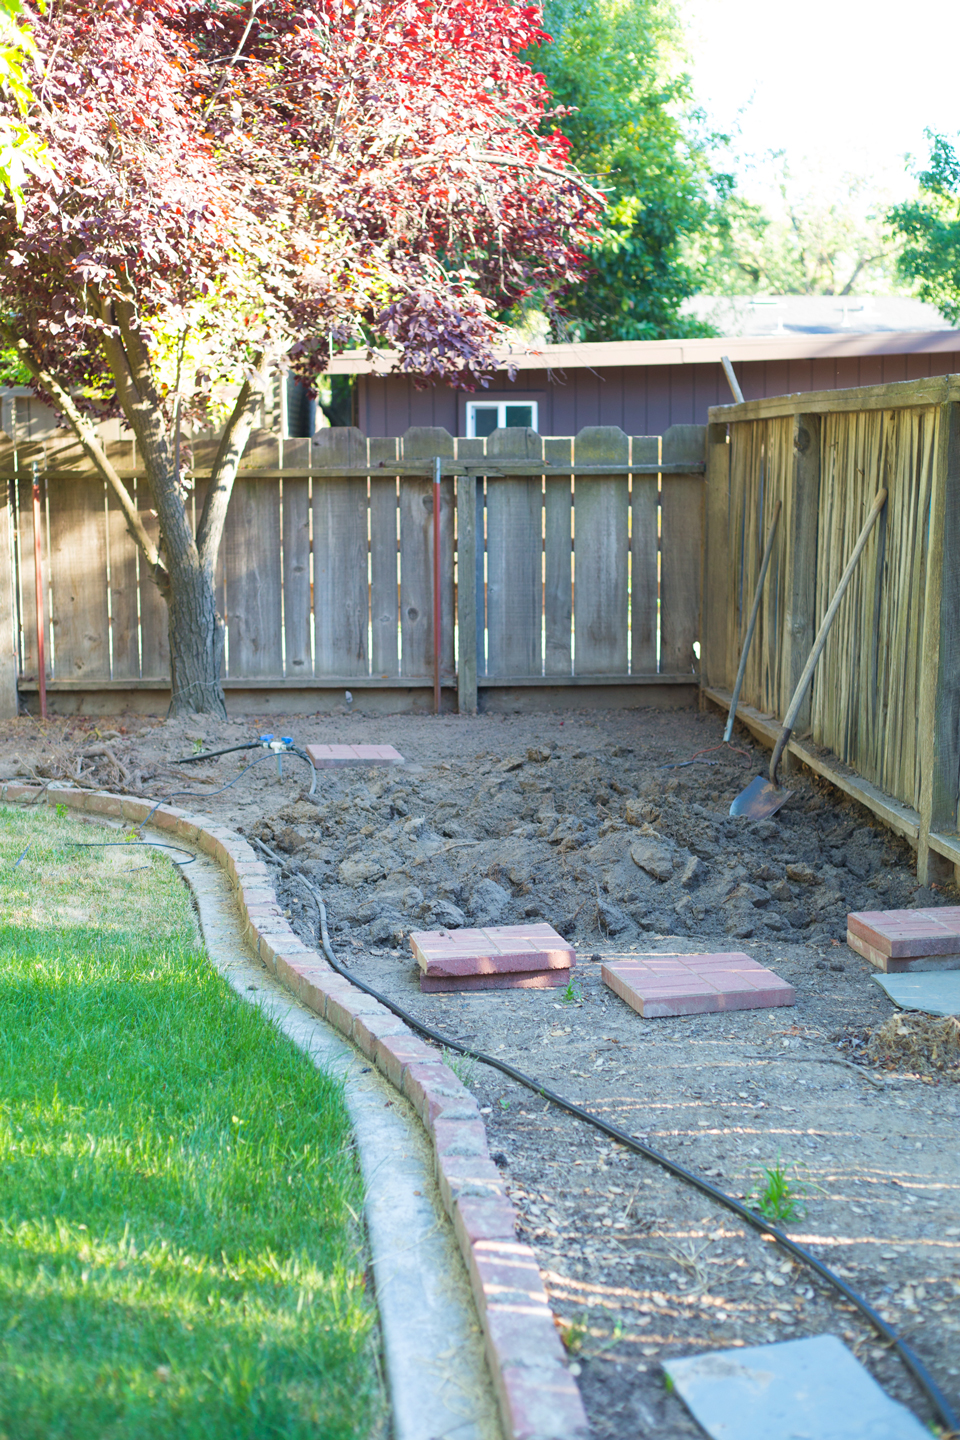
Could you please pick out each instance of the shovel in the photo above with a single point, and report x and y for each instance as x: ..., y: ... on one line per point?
x: 752, y: 624
x: 763, y: 798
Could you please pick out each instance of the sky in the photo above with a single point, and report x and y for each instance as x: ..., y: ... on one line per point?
x: 843, y: 86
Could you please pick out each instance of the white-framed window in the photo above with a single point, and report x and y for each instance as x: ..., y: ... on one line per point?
x: 485, y: 416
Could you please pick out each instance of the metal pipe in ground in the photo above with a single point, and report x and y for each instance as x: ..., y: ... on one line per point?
x: 38, y: 569
x: 437, y: 476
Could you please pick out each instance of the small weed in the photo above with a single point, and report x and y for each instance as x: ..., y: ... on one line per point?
x: 504, y: 1103
x: 573, y: 995
x: 573, y: 1333
x: 463, y: 1066
x: 776, y: 1196
x: 62, y: 812
x: 197, y: 747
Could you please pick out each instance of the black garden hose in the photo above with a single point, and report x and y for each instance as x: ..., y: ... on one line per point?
x: 912, y: 1361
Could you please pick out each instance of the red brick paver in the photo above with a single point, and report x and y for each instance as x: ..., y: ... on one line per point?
x: 333, y: 757
x: 897, y: 940
x: 657, y: 985
x: 497, y: 957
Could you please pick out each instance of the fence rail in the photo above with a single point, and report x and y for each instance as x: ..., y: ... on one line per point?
x: 883, y: 716
x: 583, y: 557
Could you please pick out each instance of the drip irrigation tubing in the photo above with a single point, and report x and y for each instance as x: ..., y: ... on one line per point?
x: 911, y: 1360
x: 212, y: 754
x: 207, y: 794
x: 132, y: 844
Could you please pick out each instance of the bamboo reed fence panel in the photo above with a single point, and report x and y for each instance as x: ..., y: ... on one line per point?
x: 866, y: 697
x: 883, y: 702
x: 326, y: 570
x: 761, y: 463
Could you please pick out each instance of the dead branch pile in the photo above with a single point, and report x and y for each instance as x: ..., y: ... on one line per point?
x: 920, y: 1043
x: 94, y: 765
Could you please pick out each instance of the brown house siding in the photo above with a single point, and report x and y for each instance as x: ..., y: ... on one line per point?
x: 641, y: 399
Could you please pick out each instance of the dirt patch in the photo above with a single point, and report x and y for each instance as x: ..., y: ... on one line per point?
x: 600, y: 825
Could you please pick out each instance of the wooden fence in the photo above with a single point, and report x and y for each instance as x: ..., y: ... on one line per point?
x: 883, y: 718
x: 564, y: 562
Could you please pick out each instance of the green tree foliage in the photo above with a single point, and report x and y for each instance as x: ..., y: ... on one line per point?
x: 618, y: 64
x: 21, y: 153
x: 814, y: 236
x: 929, y: 228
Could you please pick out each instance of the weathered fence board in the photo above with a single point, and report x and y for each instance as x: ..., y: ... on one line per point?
x: 154, y: 640
x: 644, y: 555
x: 251, y: 546
x: 124, y: 607
x: 551, y: 554
x: 600, y: 531
x: 514, y: 559
x: 8, y: 605
x: 295, y: 555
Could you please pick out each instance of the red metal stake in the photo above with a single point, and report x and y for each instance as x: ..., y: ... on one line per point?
x: 437, y: 473
x: 38, y: 567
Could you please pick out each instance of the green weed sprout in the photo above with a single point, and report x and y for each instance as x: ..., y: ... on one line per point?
x: 463, y: 1066
x: 573, y: 1334
x: 61, y: 811
x: 776, y: 1196
x: 573, y: 995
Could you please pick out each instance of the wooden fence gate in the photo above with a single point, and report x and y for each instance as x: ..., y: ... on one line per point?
x: 564, y: 563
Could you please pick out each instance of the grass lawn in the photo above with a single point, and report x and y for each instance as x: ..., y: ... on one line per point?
x: 180, y: 1246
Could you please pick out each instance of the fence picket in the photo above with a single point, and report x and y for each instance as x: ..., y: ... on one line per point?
x: 558, y: 560
x: 644, y: 548
x: 600, y: 548
x: 514, y: 557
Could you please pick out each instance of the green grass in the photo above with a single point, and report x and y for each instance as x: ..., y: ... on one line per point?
x: 180, y: 1247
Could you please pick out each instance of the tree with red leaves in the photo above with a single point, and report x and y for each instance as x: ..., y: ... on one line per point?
x: 241, y: 187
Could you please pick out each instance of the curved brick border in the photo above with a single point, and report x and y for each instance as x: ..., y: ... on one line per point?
x: 538, y: 1396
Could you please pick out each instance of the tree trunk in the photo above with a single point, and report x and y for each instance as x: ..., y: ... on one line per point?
x: 196, y: 641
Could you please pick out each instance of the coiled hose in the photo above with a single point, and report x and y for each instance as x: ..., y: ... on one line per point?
x: 690, y: 1177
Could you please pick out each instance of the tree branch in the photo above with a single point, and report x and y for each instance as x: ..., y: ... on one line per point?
x: 223, y: 473
x: 86, y: 433
x: 254, y: 7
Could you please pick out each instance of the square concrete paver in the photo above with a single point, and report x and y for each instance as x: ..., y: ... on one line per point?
x: 658, y: 985
x: 334, y: 757
x: 495, y: 958
x: 899, y: 940
x: 812, y: 1388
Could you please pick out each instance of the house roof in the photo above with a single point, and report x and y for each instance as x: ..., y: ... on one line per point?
x: 612, y: 354
x: 744, y: 315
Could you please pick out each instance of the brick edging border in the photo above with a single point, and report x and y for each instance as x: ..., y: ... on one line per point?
x: 537, y: 1395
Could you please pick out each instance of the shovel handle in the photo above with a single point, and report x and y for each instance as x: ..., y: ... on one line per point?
x: 803, y: 683
x: 752, y: 623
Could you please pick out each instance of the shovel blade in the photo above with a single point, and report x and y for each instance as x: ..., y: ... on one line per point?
x: 760, y: 800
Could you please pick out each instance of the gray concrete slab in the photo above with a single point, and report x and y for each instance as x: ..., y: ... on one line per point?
x: 935, y: 992
x: 812, y: 1389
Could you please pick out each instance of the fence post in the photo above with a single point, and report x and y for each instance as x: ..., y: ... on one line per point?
x: 802, y: 509
x: 715, y: 585
x: 939, y: 737
x: 8, y: 635
x: 467, y: 594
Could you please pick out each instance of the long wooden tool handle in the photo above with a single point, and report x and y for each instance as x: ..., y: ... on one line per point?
x: 803, y: 683
x: 751, y: 626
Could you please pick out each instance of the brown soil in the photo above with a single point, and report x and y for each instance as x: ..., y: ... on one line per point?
x: 501, y: 819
